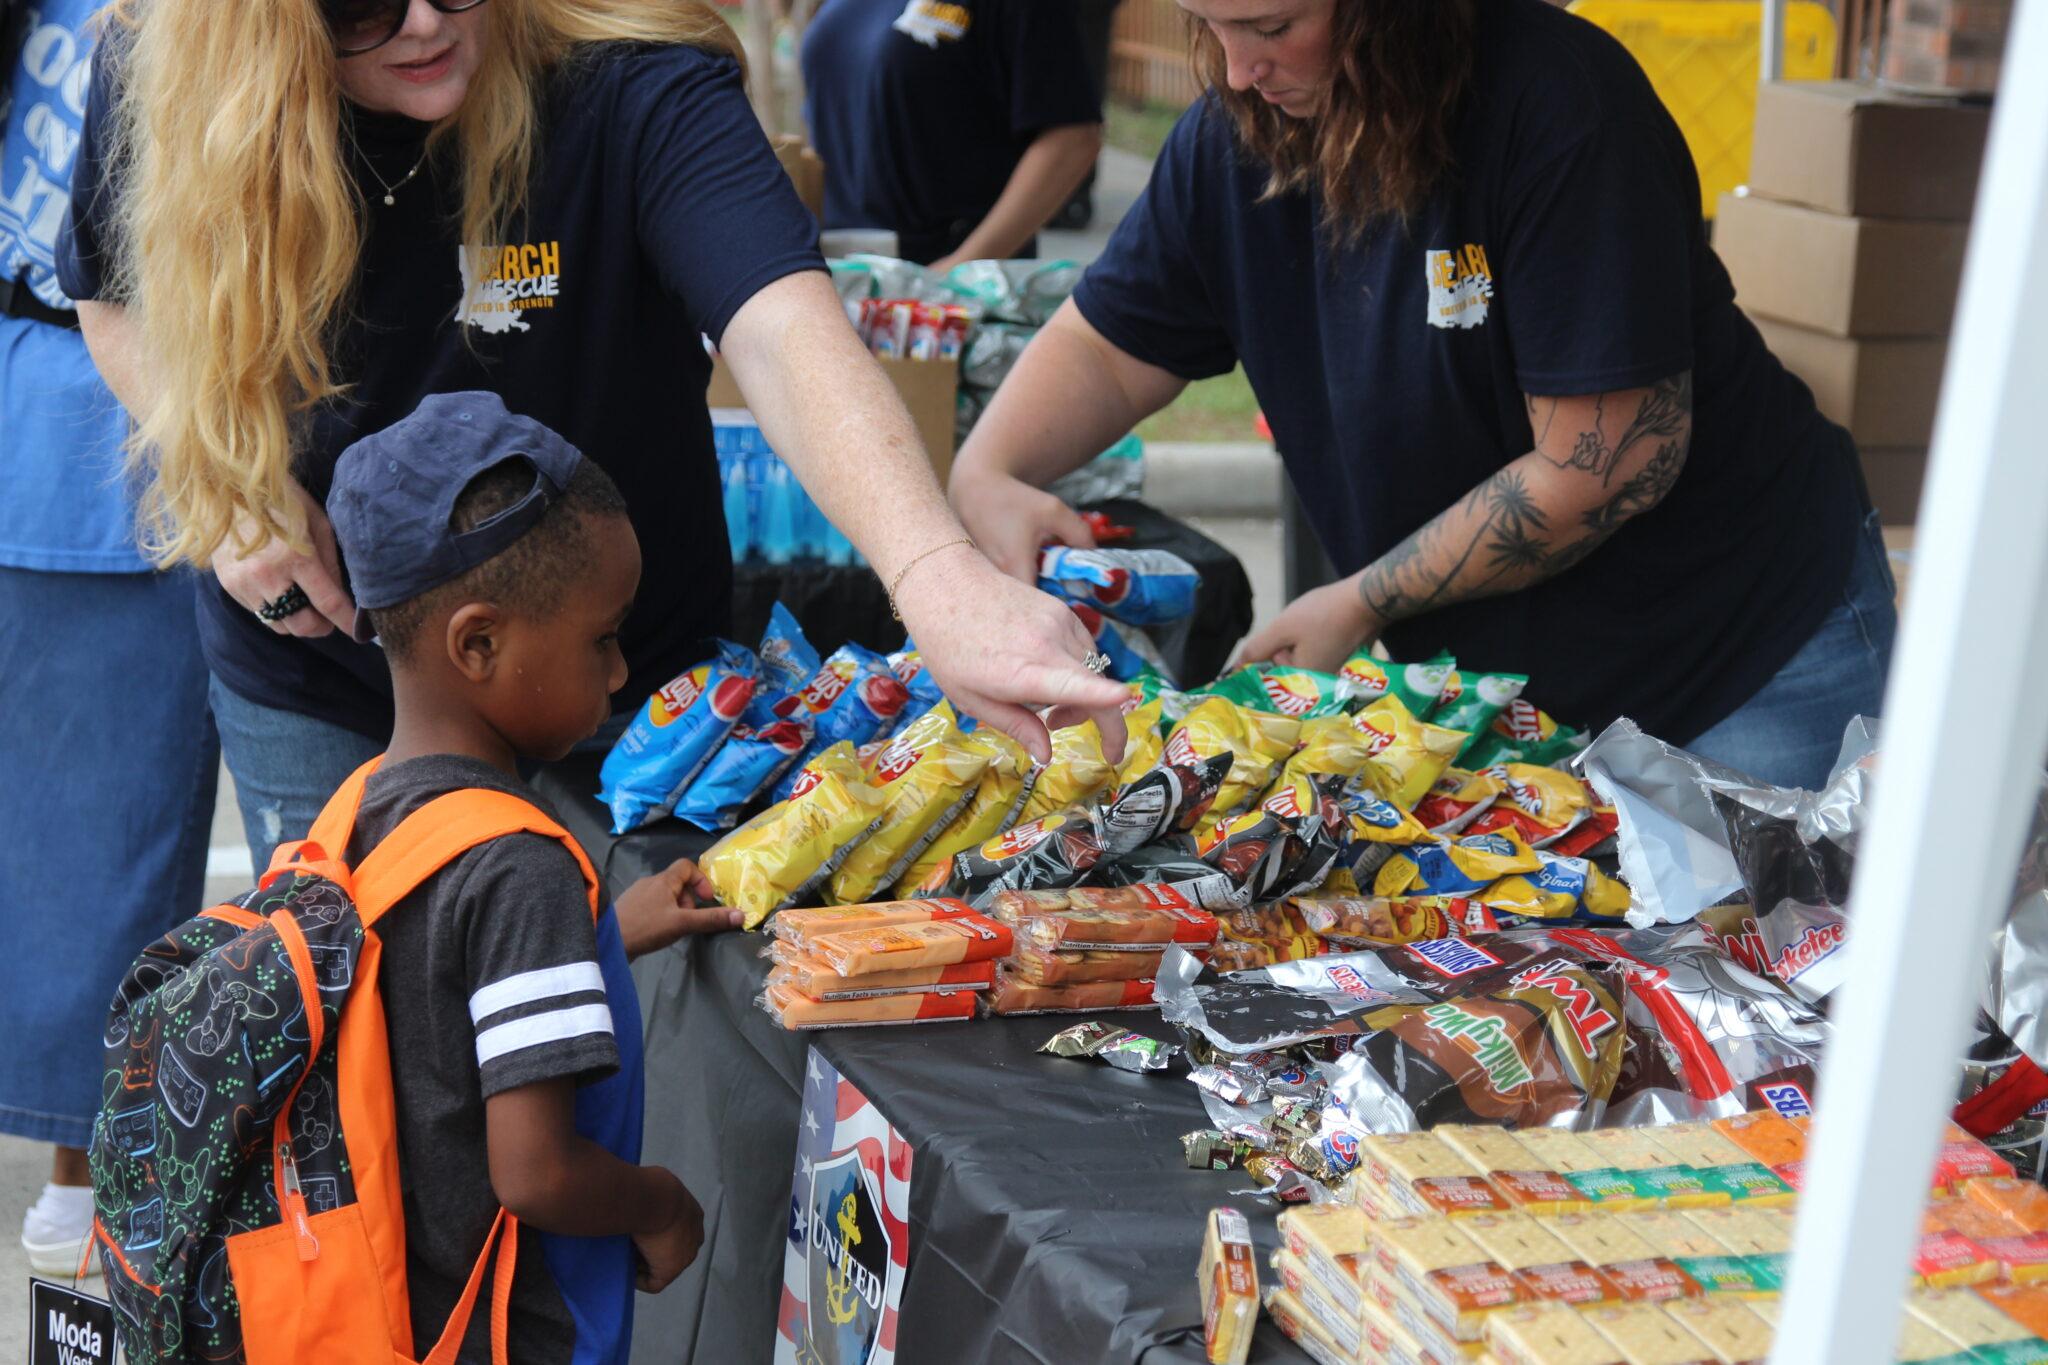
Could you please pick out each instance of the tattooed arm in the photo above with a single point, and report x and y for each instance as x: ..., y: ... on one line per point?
x: 1598, y: 461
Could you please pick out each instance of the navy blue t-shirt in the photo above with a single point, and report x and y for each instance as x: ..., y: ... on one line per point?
x: 1565, y: 255
x: 657, y: 210
x: 921, y: 109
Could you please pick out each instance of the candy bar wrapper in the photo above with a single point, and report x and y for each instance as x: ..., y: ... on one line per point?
x: 798, y: 927
x: 1120, y: 1048
x: 1015, y: 996
x: 796, y: 1010
x: 896, y: 947
x: 820, y: 982
x: 1281, y: 1178
x: 1210, y: 1149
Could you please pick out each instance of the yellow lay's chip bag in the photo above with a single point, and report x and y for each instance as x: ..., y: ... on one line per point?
x: 1144, y: 742
x: 991, y: 810
x: 1551, y: 797
x: 1077, y: 772
x: 927, y: 774
x: 1257, y: 742
x: 1330, y: 746
x: 784, y: 855
x: 1457, y: 867
x: 1408, y: 755
x: 1372, y: 819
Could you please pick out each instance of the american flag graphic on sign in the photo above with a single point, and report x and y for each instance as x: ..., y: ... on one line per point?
x: 849, y: 1242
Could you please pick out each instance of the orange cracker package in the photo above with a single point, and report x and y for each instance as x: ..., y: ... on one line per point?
x: 784, y: 855
x: 896, y: 947
x: 798, y: 927
x: 795, y: 1010
x: 1408, y: 755
x: 1014, y: 995
x: 992, y: 809
x: 926, y: 776
x: 1041, y: 967
x: 1078, y: 773
x: 1229, y: 1287
x: 820, y: 982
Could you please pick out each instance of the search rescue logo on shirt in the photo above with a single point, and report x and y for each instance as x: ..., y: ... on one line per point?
x: 501, y: 282
x: 930, y: 21
x: 1460, y: 286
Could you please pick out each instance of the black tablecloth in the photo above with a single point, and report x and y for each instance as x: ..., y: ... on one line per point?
x: 840, y: 603
x: 1052, y: 1218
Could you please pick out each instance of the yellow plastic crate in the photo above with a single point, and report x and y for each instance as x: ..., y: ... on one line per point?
x: 1703, y: 57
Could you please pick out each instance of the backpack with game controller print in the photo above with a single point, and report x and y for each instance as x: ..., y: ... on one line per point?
x: 245, y: 1157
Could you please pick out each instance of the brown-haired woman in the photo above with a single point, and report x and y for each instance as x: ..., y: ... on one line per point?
x: 296, y: 218
x: 1457, y: 246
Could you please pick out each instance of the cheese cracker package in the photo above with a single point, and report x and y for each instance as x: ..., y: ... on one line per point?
x: 796, y: 1010
x: 926, y: 776
x: 820, y: 982
x: 1299, y: 1326
x: 1721, y: 1164
x: 798, y: 927
x: 784, y: 856
x: 1629, y: 1263
x: 1015, y: 995
x: 1644, y: 1334
x: 1732, y: 1332
x: 1230, y: 1287
x: 896, y: 947
x: 1546, y: 1334
x: 1444, y: 1274
x: 1544, y: 1267
x: 1344, y: 1326
x: 1972, y: 1322
x: 1512, y: 1170
x: 1418, y: 1173
x: 1331, y: 1242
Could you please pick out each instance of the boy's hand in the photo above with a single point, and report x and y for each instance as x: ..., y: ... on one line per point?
x: 656, y: 911
x: 668, y: 1253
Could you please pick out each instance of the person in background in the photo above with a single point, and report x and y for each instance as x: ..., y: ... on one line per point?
x: 555, y: 201
x: 961, y: 127
x: 1457, y: 246
x: 106, y: 745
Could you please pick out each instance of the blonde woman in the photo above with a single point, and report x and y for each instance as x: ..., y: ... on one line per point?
x: 1457, y: 247
x: 296, y: 218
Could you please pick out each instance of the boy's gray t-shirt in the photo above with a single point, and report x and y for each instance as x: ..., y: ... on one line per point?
x: 490, y: 981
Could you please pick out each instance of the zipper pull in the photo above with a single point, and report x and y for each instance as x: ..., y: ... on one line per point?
x: 294, y: 1203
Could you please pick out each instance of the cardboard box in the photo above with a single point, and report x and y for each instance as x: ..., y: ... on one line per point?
x: 929, y: 388
x: 1849, y: 147
x: 1895, y: 477
x: 806, y: 171
x: 1848, y: 277
x: 1883, y: 390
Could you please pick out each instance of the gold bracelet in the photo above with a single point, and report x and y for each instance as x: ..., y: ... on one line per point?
x: 915, y: 561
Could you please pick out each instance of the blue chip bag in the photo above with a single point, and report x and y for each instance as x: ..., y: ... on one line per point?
x: 1136, y: 587
x: 674, y: 735
x: 852, y: 697
x: 908, y: 666
x: 767, y: 739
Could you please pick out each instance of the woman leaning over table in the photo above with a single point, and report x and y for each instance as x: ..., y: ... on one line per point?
x: 1457, y: 246
x: 269, y: 230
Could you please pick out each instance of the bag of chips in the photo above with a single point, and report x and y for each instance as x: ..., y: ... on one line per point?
x: 769, y: 737
x: 926, y: 776
x: 1563, y: 888
x: 1136, y: 587
x: 674, y: 735
x: 1281, y: 848
x: 786, y: 854
x: 1522, y: 733
x: 1297, y: 693
x: 853, y: 697
x: 1471, y: 702
x: 1076, y: 775
x: 1048, y: 853
x: 1364, y: 679
x: 1408, y: 755
x: 1457, y: 799
x: 908, y: 666
x: 1258, y: 744
x: 1370, y: 819
x: 1457, y: 867
x: 1170, y: 799
x: 1144, y: 740
x: 991, y: 809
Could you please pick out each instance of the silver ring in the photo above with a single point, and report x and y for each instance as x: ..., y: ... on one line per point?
x: 1096, y: 662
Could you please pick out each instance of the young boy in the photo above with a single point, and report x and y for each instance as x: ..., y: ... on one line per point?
x: 495, y: 564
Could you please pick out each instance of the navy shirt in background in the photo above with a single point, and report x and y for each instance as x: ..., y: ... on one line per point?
x: 657, y: 210
x: 921, y: 109
x: 1565, y: 255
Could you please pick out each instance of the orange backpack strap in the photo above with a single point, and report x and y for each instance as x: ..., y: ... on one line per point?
x: 443, y: 830
x: 504, y: 1234
x: 327, y: 842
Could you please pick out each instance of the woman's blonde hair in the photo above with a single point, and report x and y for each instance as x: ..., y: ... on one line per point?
x: 238, y: 226
x: 1381, y: 143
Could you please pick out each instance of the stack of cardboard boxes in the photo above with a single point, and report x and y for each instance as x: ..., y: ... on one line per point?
x: 1846, y: 248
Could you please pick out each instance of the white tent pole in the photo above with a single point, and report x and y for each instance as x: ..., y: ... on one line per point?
x: 1773, y: 41
x: 1966, y: 722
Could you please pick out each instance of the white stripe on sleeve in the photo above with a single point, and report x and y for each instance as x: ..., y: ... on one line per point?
x: 552, y: 1027
x: 544, y: 983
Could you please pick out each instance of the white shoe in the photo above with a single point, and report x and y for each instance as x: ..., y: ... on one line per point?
x: 56, y: 1229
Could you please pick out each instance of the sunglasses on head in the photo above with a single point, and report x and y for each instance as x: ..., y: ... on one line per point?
x: 360, y: 25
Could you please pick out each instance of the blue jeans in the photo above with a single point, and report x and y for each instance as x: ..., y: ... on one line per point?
x: 286, y: 765
x: 1790, y: 732
x: 109, y: 762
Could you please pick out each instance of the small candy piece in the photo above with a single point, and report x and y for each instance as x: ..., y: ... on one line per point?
x: 1207, y: 1149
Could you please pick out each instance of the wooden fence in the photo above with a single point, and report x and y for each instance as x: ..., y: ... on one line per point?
x: 1148, y: 56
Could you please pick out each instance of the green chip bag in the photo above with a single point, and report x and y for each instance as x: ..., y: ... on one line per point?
x: 1364, y: 680
x: 1473, y: 703
x: 1297, y: 693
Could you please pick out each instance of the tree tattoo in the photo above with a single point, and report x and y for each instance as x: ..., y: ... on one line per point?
x: 1546, y: 512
